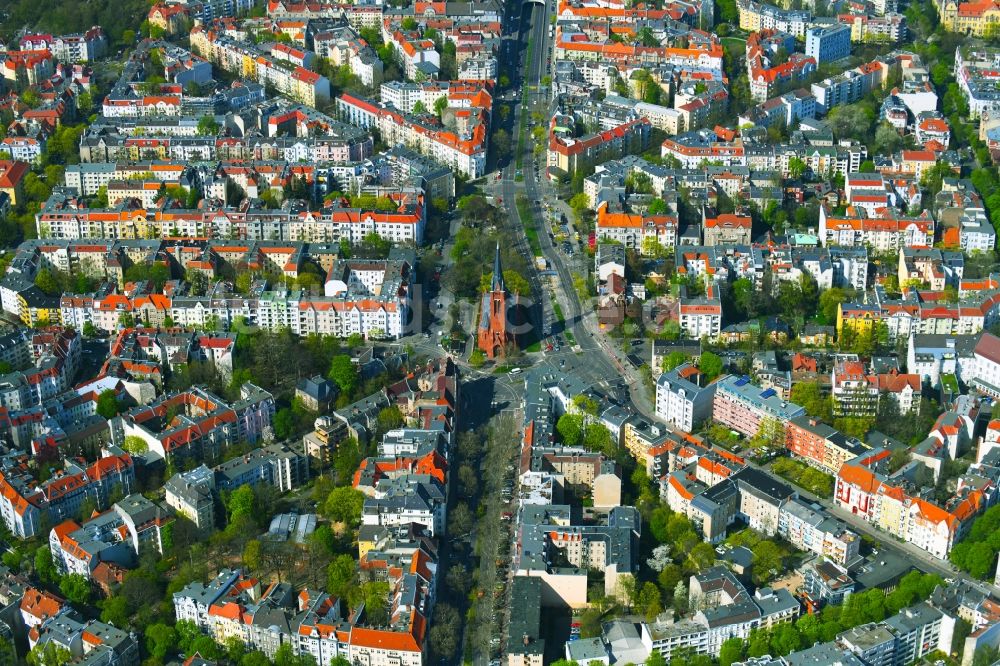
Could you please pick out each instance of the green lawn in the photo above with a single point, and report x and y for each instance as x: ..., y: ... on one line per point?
x: 734, y: 46
x: 534, y: 346
x: 519, y: 158
x: 949, y: 383
x: 528, y: 222
x: 557, y: 309
x: 811, y: 479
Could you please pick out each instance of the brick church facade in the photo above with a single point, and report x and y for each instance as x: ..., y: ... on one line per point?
x: 494, y: 335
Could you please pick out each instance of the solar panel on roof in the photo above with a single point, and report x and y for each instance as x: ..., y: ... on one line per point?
x: 743, y: 381
x: 768, y: 393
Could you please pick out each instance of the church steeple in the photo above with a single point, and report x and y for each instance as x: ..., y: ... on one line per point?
x: 498, y: 284
x: 494, y: 333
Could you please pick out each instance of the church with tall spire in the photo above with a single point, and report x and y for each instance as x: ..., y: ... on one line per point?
x: 494, y: 335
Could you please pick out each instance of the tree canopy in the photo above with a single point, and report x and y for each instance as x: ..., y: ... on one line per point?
x: 344, y: 373
x: 977, y: 552
x: 134, y: 444
x: 107, y: 404
x: 343, y: 505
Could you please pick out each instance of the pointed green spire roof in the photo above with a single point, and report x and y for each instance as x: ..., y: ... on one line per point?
x: 498, y: 284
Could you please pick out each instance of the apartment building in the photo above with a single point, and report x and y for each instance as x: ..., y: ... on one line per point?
x: 86, y: 641
x: 570, y: 153
x: 25, y: 148
x: 979, y: 19
x: 906, y: 637
x: 864, y: 489
x: 865, y: 28
x: 852, y: 85
x: 828, y: 43
x: 463, y: 149
x: 405, y: 499
x: 701, y: 316
x: 343, y: 46
x: 921, y: 313
x: 976, y: 233
x: 79, y: 47
x: 610, y: 544
x: 681, y: 398
x: 723, y: 608
x: 313, y: 622
x: 276, y: 465
x: 404, y: 96
x: 12, y: 173
x: 766, y: 77
x: 525, y: 645
x: 203, y: 424
x: 419, y: 56
x: 141, y: 140
x: 854, y: 391
x: 26, y: 502
x: 719, y: 263
x: 713, y: 510
x: 26, y: 68
x: 170, y: 17
x: 484, y: 68
x: 87, y: 179
x: 15, y: 348
x: 725, y: 229
x: 132, y: 527
x: 637, y: 232
x: 821, y: 445
x: 983, y: 370
x: 740, y: 405
x: 208, y: 10
x: 694, y: 149
x: 650, y: 442
x: 573, y: 44
x: 871, y: 192
x: 789, y: 108
x: 759, y: 16
x: 55, y: 356
x: 827, y: 582
x: 887, y: 231
x: 190, y: 494
x: 810, y: 528
x: 937, y: 268
x: 600, y: 11
x: 857, y: 392
x: 64, y: 217
x: 761, y: 499
x: 932, y: 127
x: 976, y: 75
x: 829, y: 267
x: 931, y: 356
x: 296, y: 81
